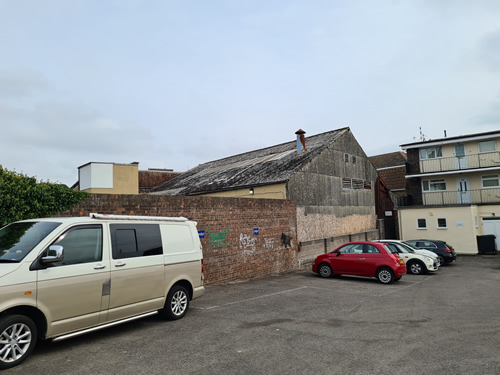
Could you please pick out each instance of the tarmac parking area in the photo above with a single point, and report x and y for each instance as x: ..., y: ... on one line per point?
x: 299, y: 323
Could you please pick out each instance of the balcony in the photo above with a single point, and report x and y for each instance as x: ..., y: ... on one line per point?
x: 439, y: 198
x: 484, y: 160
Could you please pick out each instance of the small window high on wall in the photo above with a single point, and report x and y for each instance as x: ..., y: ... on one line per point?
x: 421, y: 223
x: 441, y: 223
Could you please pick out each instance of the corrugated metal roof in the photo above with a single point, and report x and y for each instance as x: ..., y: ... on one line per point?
x: 266, y: 166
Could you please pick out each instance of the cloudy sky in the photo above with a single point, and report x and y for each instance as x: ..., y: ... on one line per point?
x: 173, y: 84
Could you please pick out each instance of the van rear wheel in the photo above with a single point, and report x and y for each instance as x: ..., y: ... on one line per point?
x: 18, y: 337
x: 177, y: 303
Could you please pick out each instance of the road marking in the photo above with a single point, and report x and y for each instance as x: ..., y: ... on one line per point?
x: 409, y: 286
x: 250, y: 299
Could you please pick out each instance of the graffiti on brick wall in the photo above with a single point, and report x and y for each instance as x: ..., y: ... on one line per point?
x: 269, y: 243
x: 219, y: 239
x: 286, y: 240
x: 247, y: 243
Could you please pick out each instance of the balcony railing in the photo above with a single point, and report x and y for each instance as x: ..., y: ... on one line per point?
x: 484, y: 160
x: 457, y: 197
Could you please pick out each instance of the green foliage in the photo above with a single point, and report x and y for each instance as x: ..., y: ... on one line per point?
x: 22, y: 197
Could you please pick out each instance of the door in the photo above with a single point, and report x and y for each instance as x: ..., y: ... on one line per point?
x: 137, y: 270
x: 346, y: 260
x: 71, y: 291
x: 492, y: 226
x: 460, y: 157
x: 463, y: 190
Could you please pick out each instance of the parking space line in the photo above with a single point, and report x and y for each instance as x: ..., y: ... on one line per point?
x: 409, y: 286
x: 250, y: 299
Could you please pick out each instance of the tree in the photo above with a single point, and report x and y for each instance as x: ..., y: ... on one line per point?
x: 22, y: 197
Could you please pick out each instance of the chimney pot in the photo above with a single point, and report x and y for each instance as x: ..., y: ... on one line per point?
x: 301, y: 141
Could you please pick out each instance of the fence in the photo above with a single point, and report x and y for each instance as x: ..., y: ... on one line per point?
x: 483, y: 160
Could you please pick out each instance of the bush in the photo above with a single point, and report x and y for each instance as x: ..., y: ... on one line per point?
x: 22, y: 197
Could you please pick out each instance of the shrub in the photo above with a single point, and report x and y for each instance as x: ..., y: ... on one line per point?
x: 22, y: 197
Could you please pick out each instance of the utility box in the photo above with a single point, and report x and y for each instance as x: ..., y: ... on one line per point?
x: 486, y: 244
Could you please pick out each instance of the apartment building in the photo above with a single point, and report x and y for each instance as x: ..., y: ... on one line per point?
x: 453, y: 190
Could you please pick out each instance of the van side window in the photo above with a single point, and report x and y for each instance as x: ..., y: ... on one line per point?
x: 135, y: 240
x: 81, y: 244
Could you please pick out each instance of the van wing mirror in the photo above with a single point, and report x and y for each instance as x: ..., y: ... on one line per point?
x: 54, y: 254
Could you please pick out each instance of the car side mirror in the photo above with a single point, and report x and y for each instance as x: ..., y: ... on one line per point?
x: 54, y: 254
x: 338, y: 253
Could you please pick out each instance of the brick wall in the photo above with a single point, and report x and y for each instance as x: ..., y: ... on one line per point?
x: 231, y: 250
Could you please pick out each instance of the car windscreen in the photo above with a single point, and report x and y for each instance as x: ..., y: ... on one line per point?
x: 411, y: 246
x: 18, y: 239
x: 406, y: 248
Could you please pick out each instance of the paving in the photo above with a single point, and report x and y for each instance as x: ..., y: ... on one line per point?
x: 299, y: 323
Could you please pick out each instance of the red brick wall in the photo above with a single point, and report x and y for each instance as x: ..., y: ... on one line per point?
x: 231, y: 250
x: 151, y: 179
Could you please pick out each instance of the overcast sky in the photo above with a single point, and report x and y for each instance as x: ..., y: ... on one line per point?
x: 173, y: 84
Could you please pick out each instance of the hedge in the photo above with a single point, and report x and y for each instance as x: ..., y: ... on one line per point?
x: 22, y: 197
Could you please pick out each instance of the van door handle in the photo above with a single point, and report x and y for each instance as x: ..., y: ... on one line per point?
x: 99, y: 266
x: 121, y: 264
x: 362, y: 258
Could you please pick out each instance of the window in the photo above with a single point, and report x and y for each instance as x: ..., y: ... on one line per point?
x: 135, y: 240
x: 431, y: 153
x: 441, y: 223
x: 370, y: 249
x: 487, y: 146
x: 490, y: 181
x: 368, y: 185
x: 82, y: 244
x: 353, y: 159
x: 421, y: 223
x: 434, y: 185
x: 18, y: 239
x: 427, y: 244
x: 346, y: 158
x: 356, y: 248
x: 392, y: 248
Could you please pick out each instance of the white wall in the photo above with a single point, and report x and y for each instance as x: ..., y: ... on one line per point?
x: 463, y: 225
x: 96, y: 175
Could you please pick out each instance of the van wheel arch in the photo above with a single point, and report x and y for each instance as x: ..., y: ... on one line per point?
x: 177, y: 302
x: 34, y: 314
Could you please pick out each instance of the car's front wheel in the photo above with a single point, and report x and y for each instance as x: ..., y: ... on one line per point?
x: 18, y: 337
x: 324, y: 270
x: 415, y: 268
x: 385, y: 275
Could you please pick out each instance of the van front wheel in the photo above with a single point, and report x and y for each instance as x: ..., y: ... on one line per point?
x: 177, y: 303
x: 17, y: 339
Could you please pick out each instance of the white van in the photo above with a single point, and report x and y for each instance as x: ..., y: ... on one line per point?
x: 62, y: 277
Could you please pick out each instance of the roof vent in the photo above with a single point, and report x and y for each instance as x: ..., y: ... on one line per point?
x: 301, y: 141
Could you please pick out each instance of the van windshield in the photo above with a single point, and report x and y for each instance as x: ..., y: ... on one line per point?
x: 18, y: 239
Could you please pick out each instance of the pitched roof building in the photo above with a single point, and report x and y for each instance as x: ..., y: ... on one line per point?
x: 328, y: 175
x: 391, y: 169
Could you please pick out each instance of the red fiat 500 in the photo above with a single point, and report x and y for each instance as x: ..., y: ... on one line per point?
x: 370, y: 259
